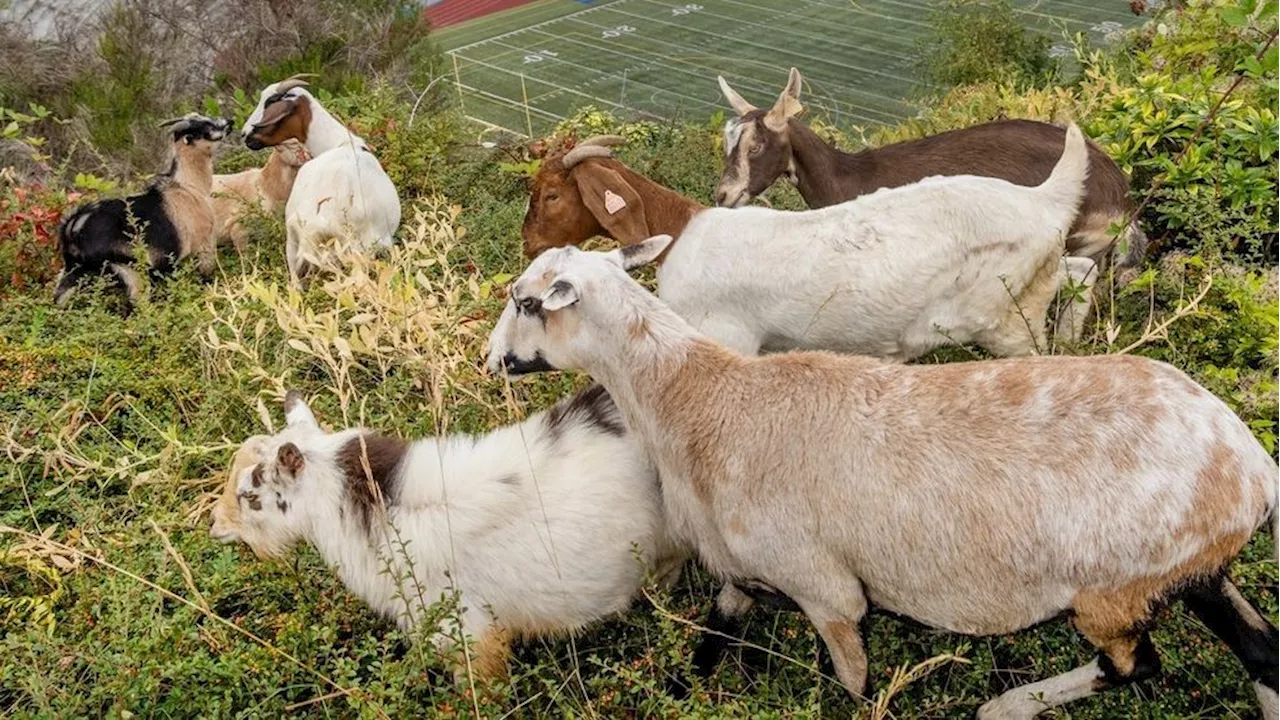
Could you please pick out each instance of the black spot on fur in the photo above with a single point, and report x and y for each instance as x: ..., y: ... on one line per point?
x: 512, y: 480
x: 383, y: 455
x: 282, y: 506
x: 592, y: 407
x: 254, y: 502
x: 257, y: 475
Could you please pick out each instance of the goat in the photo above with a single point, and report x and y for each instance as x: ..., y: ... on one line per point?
x: 173, y: 217
x: 342, y: 200
x: 762, y: 145
x: 892, y: 274
x: 266, y: 187
x: 978, y: 498
x: 535, y: 526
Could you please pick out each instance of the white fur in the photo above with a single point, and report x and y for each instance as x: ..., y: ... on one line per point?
x: 971, y: 497
x: 892, y: 274
x: 539, y: 533
x: 342, y: 200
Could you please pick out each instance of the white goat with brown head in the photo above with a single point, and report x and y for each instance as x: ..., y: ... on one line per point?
x: 980, y: 498
x: 540, y: 528
x: 342, y: 200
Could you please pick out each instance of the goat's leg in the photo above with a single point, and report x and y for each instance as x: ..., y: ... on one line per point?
x: 131, y: 281
x: 839, y: 628
x: 68, y: 281
x: 1225, y: 611
x: 1115, y: 624
x: 291, y: 252
x: 207, y: 258
x: 238, y: 237
x: 726, y: 619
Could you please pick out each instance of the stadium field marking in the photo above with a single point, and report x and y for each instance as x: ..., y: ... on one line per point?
x: 609, y: 74
x: 558, y: 86
x: 756, y: 84
x: 812, y: 36
x: 858, y: 6
x: 508, y: 34
x: 770, y: 49
x: 853, y: 12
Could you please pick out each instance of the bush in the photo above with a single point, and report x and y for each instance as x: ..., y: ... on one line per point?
x: 974, y: 41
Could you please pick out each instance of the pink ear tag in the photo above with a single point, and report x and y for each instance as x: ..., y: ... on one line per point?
x: 613, y: 202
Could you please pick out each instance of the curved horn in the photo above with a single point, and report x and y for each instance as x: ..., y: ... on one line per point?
x: 736, y: 101
x: 582, y: 152
x: 603, y: 141
x: 296, y: 81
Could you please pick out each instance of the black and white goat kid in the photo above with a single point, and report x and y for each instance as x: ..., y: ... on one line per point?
x: 173, y: 217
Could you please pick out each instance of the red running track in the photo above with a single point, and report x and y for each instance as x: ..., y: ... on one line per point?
x: 449, y: 12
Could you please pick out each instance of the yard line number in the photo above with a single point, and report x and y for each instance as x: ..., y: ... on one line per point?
x: 618, y: 31
x: 686, y: 9
x: 539, y: 56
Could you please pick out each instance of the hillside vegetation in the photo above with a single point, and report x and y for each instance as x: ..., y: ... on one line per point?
x: 115, y: 431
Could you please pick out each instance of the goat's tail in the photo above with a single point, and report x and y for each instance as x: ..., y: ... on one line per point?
x: 1065, y: 186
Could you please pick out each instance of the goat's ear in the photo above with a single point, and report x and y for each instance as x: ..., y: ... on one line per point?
x: 736, y: 101
x: 289, y: 458
x: 560, y: 295
x: 788, y: 105
x: 615, y: 204
x: 642, y: 253
x: 275, y: 112
x: 296, y: 412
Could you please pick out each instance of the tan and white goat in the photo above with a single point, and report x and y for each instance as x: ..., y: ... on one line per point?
x: 980, y: 498
x: 267, y: 187
x: 540, y: 528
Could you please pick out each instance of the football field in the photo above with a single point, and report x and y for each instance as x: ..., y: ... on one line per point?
x: 526, y: 68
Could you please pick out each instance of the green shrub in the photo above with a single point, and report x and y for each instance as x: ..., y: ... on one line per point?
x: 973, y: 41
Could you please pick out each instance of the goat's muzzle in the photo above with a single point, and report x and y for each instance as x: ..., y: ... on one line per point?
x: 253, y: 143
x: 515, y: 366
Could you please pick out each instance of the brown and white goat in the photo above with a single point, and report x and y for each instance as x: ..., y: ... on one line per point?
x: 980, y: 498
x: 173, y: 217
x: 266, y: 187
x: 762, y: 145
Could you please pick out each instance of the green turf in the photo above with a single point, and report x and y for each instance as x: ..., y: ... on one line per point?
x: 526, y: 68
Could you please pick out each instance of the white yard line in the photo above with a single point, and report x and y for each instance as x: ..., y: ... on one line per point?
x: 802, y: 33
x: 558, y: 86
x: 535, y: 26
x: 772, y: 49
x: 848, y: 90
x: 852, y: 8
x: 706, y: 72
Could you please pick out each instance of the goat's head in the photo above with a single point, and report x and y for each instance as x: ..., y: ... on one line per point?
x: 268, y: 475
x: 197, y: 131
x: 292, y: 153
x: 565, y: 303
x: 757, y: 148
x: 572, y: 200
x: 283, y: 113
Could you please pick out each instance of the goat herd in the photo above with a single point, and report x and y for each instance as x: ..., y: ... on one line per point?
x: 978, y: 497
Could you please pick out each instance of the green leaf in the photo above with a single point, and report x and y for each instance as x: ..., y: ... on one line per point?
x: 1235, y: 17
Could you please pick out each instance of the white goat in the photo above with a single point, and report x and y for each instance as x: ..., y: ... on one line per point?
x: 536, y: 526
x: 267, y: 187
x: 979, y: 498
x: 342, y: 200
x: 894, y: 273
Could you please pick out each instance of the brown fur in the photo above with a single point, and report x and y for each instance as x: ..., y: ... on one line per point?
x: 370, y: 463
x: 268, y: 186
x: 566, y: 207
x: 291, y: 121
x: 1020, y: 151
x: 189, y: 203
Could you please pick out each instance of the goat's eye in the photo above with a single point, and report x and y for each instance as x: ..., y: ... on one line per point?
x: 529, y: 305
x: 551, y: 197
x: 756, y: 150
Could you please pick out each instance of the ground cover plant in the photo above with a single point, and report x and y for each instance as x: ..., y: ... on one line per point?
x: 115, y: 432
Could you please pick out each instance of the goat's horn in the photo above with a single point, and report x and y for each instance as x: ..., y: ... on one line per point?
x: 582, y: 152
x: 171, y: 121
x: 294, y: 82
x: 603, y: 141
